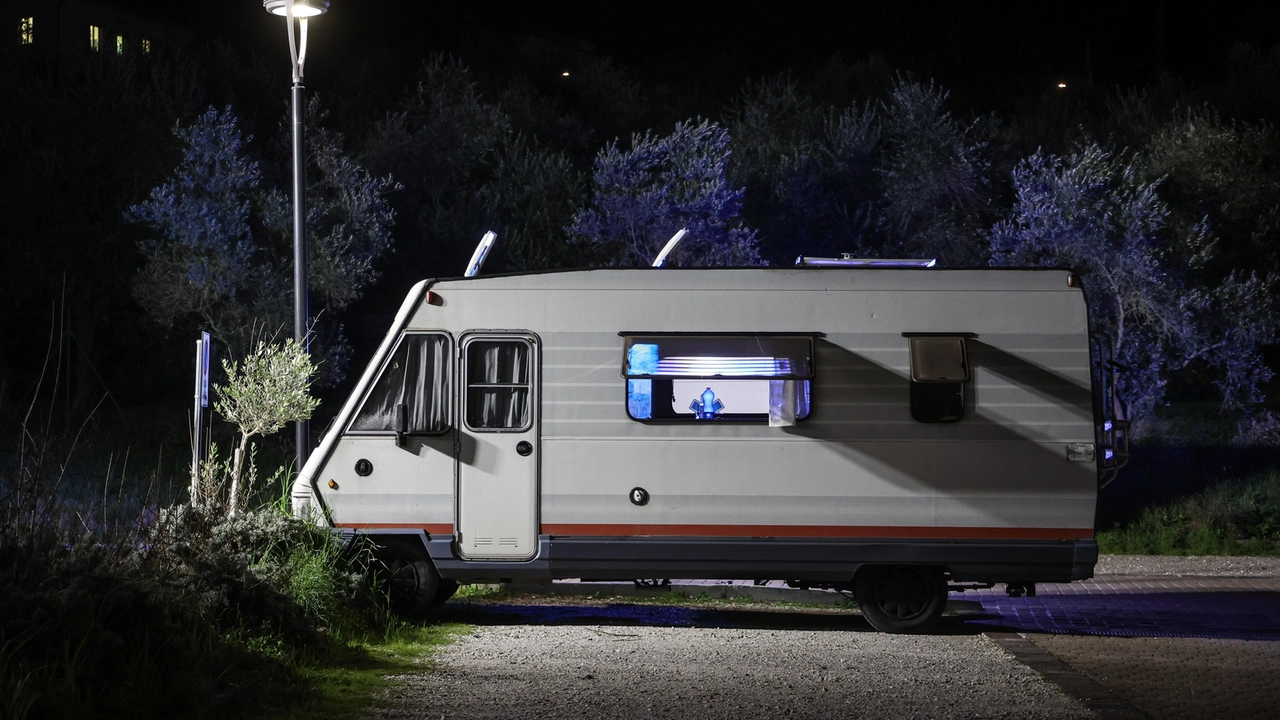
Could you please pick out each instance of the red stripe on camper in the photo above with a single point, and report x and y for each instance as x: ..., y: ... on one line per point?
x: 430, y: 529
x: 821, y: 531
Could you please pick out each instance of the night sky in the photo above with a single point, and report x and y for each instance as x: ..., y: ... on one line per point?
x: 991, y: 53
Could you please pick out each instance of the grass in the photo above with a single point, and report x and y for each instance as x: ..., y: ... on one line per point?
x: 1237, y: 518
x: 348, y: 682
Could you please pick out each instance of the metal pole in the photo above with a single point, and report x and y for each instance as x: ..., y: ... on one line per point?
x: 300, y: 309
x: 197, y: 427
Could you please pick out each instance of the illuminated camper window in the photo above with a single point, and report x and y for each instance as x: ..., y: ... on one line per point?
x: 417, y: 376
x: 725, y: 378
x: 939, y: 371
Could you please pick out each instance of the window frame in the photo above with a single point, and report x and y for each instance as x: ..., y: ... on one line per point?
x: 464, y: 381
x: 917, y: 388
x: 804, y: 379
x: 447, y: 359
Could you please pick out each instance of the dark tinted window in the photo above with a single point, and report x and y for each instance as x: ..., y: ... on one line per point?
x: 417, y: 376
x: 939, y: 371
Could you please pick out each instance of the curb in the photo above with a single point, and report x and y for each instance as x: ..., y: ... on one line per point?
x: 1090, y: 693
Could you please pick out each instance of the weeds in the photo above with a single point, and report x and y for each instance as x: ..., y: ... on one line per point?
x: 116, y: 607
x: 1230, y: 519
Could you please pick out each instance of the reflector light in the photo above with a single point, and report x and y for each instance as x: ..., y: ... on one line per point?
x: 1106, y: 426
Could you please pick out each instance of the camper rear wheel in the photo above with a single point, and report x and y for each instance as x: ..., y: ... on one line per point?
x: 901, y: 598
x: 413, y: 583
x: 448, y: 586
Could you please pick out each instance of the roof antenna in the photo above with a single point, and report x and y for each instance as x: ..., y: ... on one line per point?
x: 666, y: 249
x: 482, y: 252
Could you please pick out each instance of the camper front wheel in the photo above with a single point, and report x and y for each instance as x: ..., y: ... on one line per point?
x: 414, y: 584
x: 901, y: 598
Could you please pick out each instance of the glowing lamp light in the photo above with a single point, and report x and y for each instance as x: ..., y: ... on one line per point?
x: 301, y: 8
x: 704, y: 366
x: 1062, y: 86
x: 1106, y: 426
x: 564, y: 74
x: 1109, y: 454
x: 708, y: 407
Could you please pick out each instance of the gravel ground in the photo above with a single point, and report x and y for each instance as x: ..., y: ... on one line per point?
x: 1191, y: 566
x: 602, y: 672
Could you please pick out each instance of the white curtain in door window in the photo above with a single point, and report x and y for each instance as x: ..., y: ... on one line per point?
x: 498, y: 384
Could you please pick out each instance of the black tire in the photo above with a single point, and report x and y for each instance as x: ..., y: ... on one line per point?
x: 901, y: 598
x: 413, y: 583
x: 448, y: 586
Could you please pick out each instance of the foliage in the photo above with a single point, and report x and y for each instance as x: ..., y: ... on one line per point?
x: 533, y: 191
x: 1230, y: 519
x: 898, y: 177
x: 222, y: 249
x: 1220, y: 173
x: 265, y: 390
x: 644, y: 195
x: 937, y: 192
x: 439, y: 144
x: 809, y: 174
x: 1091, y: 211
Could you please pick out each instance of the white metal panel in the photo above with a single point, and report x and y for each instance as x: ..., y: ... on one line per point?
x: 860, y: 459
x: 410, y: 485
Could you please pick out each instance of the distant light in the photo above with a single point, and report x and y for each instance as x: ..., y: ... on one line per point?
x: 564, y: 74
x: 1062, y: 86
x: 301, y: 8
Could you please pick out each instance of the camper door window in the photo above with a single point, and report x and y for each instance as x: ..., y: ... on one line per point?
x: 498, y: 380
x: 417, y: 377
x: 698, y: 378
x: 939, y: 372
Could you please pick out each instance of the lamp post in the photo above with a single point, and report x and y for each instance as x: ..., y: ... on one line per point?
x: 297, y: 12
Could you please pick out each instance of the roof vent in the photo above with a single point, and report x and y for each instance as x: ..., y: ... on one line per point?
x: 847, y: 260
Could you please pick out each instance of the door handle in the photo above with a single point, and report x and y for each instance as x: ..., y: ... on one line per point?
x: 524, y: 447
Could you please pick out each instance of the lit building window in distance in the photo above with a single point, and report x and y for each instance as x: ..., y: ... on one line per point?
x: 26, y: 32
x: 146, y: 46
x: 93, y: 37
x: 119, y: 44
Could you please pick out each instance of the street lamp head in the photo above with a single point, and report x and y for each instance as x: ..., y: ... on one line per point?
x: 301, y: 8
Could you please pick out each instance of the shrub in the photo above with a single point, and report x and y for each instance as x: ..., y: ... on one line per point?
x: 1231, y: 519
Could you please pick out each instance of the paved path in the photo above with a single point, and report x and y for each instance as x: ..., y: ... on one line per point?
x: 1158, y: 647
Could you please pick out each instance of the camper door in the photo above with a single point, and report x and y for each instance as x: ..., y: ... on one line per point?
x: 498, y: 453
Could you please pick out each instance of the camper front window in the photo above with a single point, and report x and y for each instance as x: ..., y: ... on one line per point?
x: 705, y: 378
x: 416, y: 376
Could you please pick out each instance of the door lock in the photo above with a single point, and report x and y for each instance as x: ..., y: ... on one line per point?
x: 524, y: 447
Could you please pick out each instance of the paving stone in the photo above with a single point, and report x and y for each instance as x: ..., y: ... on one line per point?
x: 1169, y: 677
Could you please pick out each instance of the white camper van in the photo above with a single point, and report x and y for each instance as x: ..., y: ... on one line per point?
x: 888, y: 430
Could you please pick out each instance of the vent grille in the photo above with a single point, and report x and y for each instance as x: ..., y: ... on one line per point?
x: 482, y: 541
x: 509, y: 542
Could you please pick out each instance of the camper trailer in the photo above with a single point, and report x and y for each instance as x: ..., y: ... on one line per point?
x: 891, y: 431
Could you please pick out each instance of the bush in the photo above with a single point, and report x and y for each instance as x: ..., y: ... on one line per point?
x: 1231, y: 519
